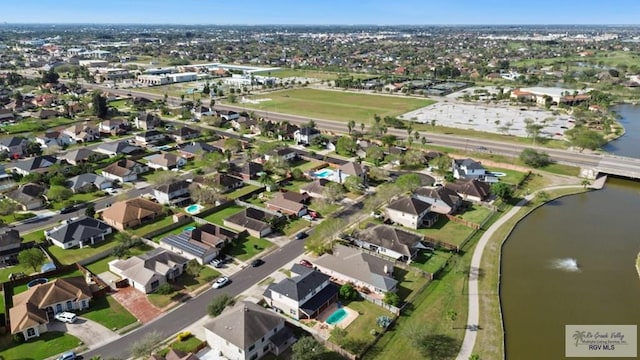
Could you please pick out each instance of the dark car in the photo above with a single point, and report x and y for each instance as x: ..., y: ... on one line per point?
x: 257, y: 262
x: 301, y: 235
x: 67, y: 210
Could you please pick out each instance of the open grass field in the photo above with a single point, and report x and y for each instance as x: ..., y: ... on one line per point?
x: 180, y: 229
x: 34, y: 125
x: 219, y: 216
x: 447, y: 231
x: 70, y: 256
x: 476, y: 214
x: 337, y: 105
x: 47, y: 345
x: 109, y: 313
x: 247, y: 247
x: 241, y: 192
x: 359, y: 331
x: 602, y: 58
x: 314, y: 74
x: 431, y: 261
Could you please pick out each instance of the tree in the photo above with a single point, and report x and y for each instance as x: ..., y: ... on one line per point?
x: 442, y: 165
x: 90, y: 211
x: 333, y: 192
x: 57, y: 179
x: 585, y: 183
x: 50, y: 77
x: 162, y: 177
x: 99, y: 105
x: 205, y: 195
x: 408, y: 182
x: 33, y: 148
x: 33, y: 258
x: 218, y: 304
x: 414, y: 158
x: 348, y: 292
x: 233, y: 145
x: 433, y: 346
x: 277, y: 165
x: 391, y: 298
x: 8, y: 207
x: 346, y: 145
x: 58, y: 193
x: 351, y: 125
x: 297, y: 174
x: 362, y: 126
x: 532, y: 129
x: 389, y: 140
x: 502, y: 190
x: 584, y: 138
x: 193, y: 268
x: 145, y: 346
x: 375, y: 154
x: 354, y: 184
x: 307, y: 348
x: 534, y: 158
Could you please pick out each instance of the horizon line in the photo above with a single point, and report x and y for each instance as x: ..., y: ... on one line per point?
x: 325, y: 25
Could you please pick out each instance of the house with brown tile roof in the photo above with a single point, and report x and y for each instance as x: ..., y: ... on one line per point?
x: 130, y: 213
x: 389, y: 241
x: 315, y: 188
x: 288, y: 207
x: 33, y: 309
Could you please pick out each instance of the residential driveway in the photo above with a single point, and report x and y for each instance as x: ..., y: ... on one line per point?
x: 90, y: 332
x: 136, y: 303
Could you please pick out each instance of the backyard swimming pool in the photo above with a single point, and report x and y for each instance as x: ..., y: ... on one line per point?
x: 37, y: 281
x: 194, y: 209
x: 336, y: 316
x: 324, y: 173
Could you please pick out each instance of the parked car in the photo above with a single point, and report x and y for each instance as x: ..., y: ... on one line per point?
x: 301, y: 235
x: 67, y: 210
x: 220, y: 282
x: 306, y: 263
x: 66, y: 317
x: 257, y: 262
x: 111, y: 191
x: 69, y: 355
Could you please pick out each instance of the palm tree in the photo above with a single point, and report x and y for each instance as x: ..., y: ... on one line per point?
x: 585, y: 183
x: 362, y: 127
x: 351, y: 125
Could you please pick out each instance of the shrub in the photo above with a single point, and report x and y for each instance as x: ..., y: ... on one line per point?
x: 348, y: 292
x: 219, y: 303
x: 184, y: 336
x: 164, y: 289
x: 391, y: 298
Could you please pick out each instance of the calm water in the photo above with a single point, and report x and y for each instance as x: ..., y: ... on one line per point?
x: 629, y: 144
x: 542, y: 290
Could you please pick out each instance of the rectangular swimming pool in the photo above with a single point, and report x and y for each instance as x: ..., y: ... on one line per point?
x: 336, y: 316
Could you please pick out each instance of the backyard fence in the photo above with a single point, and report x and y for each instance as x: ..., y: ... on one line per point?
x: 394, y: 310
x: 181, y: 221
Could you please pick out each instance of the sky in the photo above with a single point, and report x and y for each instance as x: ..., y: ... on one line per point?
x: 322, y: 12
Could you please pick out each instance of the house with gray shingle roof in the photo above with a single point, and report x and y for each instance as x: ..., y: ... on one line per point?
x: 81, y: 232
x: 81, y: 155
x: 193, y: 148
x: 203, y: 243
x: 148, y: 271
x: 118, y: 148
x: 88, y: 182
x: 306, y: 294
x: 472, y: 190
x: 442, y: 200
x: 470, y: 169
x: 38, y: 164
x: 351, y: 265
x: 389, y: 241
x: 254, y: 221
x: 248, y: 332
x: 28, y: 196
x: 411, y: 212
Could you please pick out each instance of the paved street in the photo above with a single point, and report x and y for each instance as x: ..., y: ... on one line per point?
x: 196, y: 308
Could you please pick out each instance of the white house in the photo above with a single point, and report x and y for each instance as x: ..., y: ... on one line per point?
x: 470, y: 169
x: 248, y: 332
x: 148, y: 271
x: 305, y: 135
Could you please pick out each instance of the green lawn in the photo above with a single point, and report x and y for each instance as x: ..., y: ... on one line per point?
x: 5, y: 271
x: 242, y: 191
x: 71, y: 256
x: 359, y: 331
x: 219, y: 216
x: 476, y: 214
x: 512, y: 177
x: 431, y: 261
x: 337, y: 105
x: 37, y: 236
x: 147, y: 228
x: 294, y: 226
x: 188, y: 345
x: 315, y: 74
x: 184, y: 284
x: 175, y: 231
x: 247, y: 247
x: 447, y: 231
x: 305, y: 166
x: 23, y: 288
x: 47, y: 345
x: 108, y: 312
x: 408, y: 281
x: 295, y: 185
x: 102, y: 265
x: 78, y: 199
x: 10, y: 218
x: 324, y: 208
x: 35, y: 125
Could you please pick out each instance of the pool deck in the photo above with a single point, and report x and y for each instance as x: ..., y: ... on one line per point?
x: 351, y: 315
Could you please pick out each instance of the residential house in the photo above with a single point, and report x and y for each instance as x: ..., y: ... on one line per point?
x: 46, y: 114
x: 43, y: 100
x: 147, y: 121
x: 149, y: 137
x: 351, y: 169
x: 201, y: 111
x: 203, y: 243
x: 124, y: 170
x: 131, y: 213
x: 254, y: 221
x: 118, y: 148
x: 34, y: 308
x: 82, y: 133
x: 165, y: 161
x: 81, y: 155
x: 468, y: 169
x: 303, y: 295
x: 315, y: 188
x: 286, y: 131
x: 88, y: 182
x: 174, y: 193
x: 442, y: 200
x: 10, y: 246
x: 53, y: 139
x: 350, y: 265
x: 14, y: 146
x: 227, y: 115
x: 34, y: 164
x: 244, y: 122
x: 6, y: 116
x: 148, y: 271
x: 411, y: 212
x: 471, y: 190
x: 248, y: 332
x: 113, y: 127
x: 305, y: 135
x: 281, y: 204
x: 191, y: 149
x: 81, y: 232
x: 28, y: 196
x: 225, y: 183
x: 285, y: 153
x: 248, y: 170
x: 389, y: 241
x: 184, y: 134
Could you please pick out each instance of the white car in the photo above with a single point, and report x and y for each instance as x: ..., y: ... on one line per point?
x: 111, y: 191
x: 220, y: 282
x: 66, y: 317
